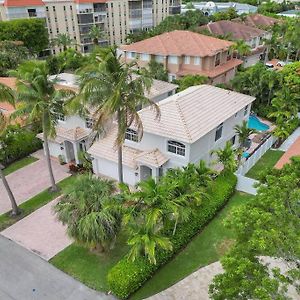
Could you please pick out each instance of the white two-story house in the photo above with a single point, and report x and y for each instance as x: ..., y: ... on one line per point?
x: 192, y: 124
x: 74, y: 133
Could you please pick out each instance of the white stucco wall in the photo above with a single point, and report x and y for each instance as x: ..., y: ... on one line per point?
x: 251, y: 60
x: 55, y: 150
x: 72, y: 122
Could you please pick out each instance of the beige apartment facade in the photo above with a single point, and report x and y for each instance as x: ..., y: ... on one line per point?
x: 186, y: 53
x: 115, y: 18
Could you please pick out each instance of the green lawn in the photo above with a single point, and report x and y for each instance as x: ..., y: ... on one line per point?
x: 207, y: 247
x: 34, y: 203
x: 268, y: 160
x: 19, y: 164
x: 88, y: 267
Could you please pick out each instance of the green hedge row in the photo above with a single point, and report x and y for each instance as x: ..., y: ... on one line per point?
x: 127, y: 276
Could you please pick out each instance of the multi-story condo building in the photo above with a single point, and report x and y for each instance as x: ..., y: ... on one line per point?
x: 116, y: 18
x: 186, y: 53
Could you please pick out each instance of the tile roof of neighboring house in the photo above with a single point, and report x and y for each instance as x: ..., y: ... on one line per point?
x: 19, y: 3
x: 217, y: 71
x: 257, y: 20
x: 294, y: 150
x: 9, y: 81
x: 237, y: 31
x: 105, y: 148
x: 192, y: 113
x: 180, y: 42
x: 5, y: 107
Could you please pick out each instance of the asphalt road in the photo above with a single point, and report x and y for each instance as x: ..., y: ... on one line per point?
x: 26, y: 276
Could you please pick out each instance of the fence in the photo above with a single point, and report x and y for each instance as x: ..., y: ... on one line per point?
x: 246, y: 185
x: 257, y: 154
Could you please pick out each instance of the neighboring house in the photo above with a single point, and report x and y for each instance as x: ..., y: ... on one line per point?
x: 254, y: 37
x: 210, y: 8
x: 192, y: 124
x: 257, y: 20
x: 74, y: 133
x: 293, y: 13
x: 117, y: 18
x: 186, y: 53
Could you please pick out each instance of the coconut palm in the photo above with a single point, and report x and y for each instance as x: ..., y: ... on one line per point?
x: 40, y: 101
x: 96, y: 34
x: 241, y: 48
x: 6, y: 94
x: 63, y: 40
x: 112, y: 89
x: 92, y: 215
x: 226, y: 157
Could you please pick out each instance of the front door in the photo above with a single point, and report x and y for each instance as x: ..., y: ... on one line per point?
x: 145, y: 172
x: 69, y: 151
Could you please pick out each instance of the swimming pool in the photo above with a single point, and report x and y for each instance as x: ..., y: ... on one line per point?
x: 255, y: 123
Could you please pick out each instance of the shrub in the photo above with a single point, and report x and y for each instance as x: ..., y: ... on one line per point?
x: 17, y: 142
x: 127, y: 276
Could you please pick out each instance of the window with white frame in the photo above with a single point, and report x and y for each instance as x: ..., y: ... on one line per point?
x: 219, y: 132
x: 176, y: 147
x: 131, y: 135
x: 131, y: 55
x: 197, y: 60
x: 89, y: 123
x: 173, y: 59
x: 159, y: 58
x: 145, y: 57
x: 187, y: 60
x: 246, y: 110
x: 61, y: 117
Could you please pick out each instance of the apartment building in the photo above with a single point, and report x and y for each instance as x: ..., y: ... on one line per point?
x: 116, y: 18
x: 186, y: 53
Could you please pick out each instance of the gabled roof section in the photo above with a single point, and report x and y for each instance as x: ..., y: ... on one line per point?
x: 236, y: 31
x: 257, y: 20
x: 19, y: 3
x: 180, y: 42
x: 194, y: 112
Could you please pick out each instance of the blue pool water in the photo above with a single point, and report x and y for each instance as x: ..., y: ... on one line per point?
x: 255, y: 123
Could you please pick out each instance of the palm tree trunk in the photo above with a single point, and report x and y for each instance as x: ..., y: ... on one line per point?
x: 15, y: 209
x: 120, y: 155
x: 54, y: 187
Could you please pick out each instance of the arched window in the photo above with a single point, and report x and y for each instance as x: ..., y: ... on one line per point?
x: 176, y: 147
x: 131, y: 135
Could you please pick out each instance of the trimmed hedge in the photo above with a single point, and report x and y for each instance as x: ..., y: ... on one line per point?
x: 127, y: 276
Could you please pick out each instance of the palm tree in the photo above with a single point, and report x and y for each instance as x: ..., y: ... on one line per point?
x: 92, y: 214
x: 6, y: 94
x: 226, y: 157
x: 40, y: 101
x: 111, y: 87
x: 96, y: 34
x: 241, y: 48
x: 63, y: 40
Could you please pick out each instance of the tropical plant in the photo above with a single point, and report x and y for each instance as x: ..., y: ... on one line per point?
x: 243, y: 132
x: 157, y: 70
x: 63, y: 40
x: 190, y: 80
x: 96, y: 34
x: 226, y: 157
x: 6, y: 94
x: 241, y: 48
x: 112, y: 89
x: 91, y: 212
x: 40, y: 101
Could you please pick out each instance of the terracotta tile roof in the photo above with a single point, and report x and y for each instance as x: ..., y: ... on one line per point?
x: 237, y: 31
x: 257, y: 20
x: 9, y: 81
x: 19, y: 3
x: 180, y: 42
x: 153, y: 158
x: 217, y: 71
x: 194, y: 112
x: 294, y: 150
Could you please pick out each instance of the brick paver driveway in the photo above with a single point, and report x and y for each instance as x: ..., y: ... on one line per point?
x: 29, y: 181
x: 40, y: 232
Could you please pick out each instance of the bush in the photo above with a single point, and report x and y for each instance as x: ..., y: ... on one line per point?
x: 17, y: 142
x: 127, y: 276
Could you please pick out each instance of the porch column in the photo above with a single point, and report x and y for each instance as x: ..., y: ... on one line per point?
x: 75, y: 147
x: 155, y: 174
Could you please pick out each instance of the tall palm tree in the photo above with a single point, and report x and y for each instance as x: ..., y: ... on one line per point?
x: 63, y: 40
x: 6, y: 94
x: 40, y: 101
x: 96, y: 34
x: 112, y: 89
x: 241, y: 48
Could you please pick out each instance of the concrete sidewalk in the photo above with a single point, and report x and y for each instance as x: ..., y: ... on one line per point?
x: 29, y: 181
x: 290, y: 140
x: 40, y: 232
x: 25, y: 276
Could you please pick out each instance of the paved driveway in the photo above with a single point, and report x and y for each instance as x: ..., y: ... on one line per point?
x: 40, y: 232
x: 25, y: 276
x: 29, y: 181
